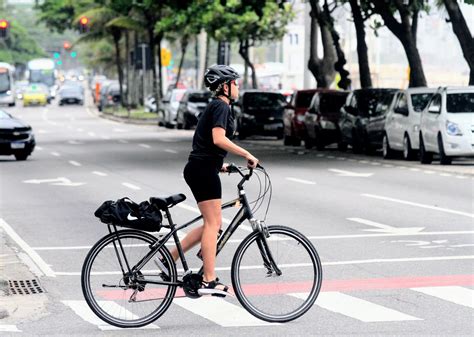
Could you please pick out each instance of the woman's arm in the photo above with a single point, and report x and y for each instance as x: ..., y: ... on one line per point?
x: 220, y: 140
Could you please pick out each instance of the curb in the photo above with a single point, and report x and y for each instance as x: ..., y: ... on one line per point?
x: 127, y: 120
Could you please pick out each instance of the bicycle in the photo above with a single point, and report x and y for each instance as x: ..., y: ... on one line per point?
x: 122, y: 286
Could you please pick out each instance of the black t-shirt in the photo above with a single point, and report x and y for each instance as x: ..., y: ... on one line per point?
x: 217, y: 114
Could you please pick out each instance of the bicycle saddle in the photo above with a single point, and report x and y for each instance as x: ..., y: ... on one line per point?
x: 163, y: 203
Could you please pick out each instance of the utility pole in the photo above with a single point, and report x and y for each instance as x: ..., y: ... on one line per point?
x: 143, y: 46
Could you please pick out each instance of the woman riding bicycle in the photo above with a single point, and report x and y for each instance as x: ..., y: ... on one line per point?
x: 211, y: 142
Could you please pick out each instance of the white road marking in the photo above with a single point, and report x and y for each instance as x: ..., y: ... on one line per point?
x: 82, y: 310
x: 75, y: 142
x: 105, y: 137
x: 414, y: 169
x: 461, y: 177
x: 388, y: 165
x: 385, y: 228
x: 80, y: 129
x: 92, y: 134
x: 446, y: 210
x: 146, y: 146
x: 8, y: 328
x: 402, y: 167
x: 454, y: 294
x: 343, y: 173
x: 331, y: 157
x: 123, y: 141
x: 445, y: 174
x: 375, y: 163
x: 60, y: 181
x: 40, y: 263
x: 429, y: 172
x: 39, y: 148
x: 301, y: 181
x: 352, y: 160
x: 131, y: 186
x: 171, y: 151
x: 119, y: 130
x: 98, y: 173
x: 55, y: 154
x: 220, y: 312
x: 320, y: 155
x: 357, y: 308
x: 74, y: 163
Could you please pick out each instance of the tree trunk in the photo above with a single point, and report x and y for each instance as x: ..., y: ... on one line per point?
x: 116, y: 36
x: 184, y: 46
x: 403, y: 31
x: 152, y: 46
x: 362, y: 50
x: 244, y: 52
x: 160, y: 66
x: 463, y: 34
x: 196, y: 58
x: 127, y: 58
x: 322, y: 69
x: 345, y: 81
x: 206, y: 58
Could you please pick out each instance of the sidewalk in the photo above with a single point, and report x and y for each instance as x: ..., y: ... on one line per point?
x: 22, y: 298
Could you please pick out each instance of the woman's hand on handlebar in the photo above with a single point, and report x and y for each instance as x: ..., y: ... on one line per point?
x: 252, y: 161
x: 224, y: 167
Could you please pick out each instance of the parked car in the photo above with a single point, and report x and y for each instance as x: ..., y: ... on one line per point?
x: 71, y: 95
x: 170, y: 107
x: 447, y: 124
x: 355, y: 114
x: 293, y: 117
x: 150, y: 104
x: 260, y: 113
x: 35, y: 94
x: 16, y: 137
x: 109, y: 95
x: 322, y: 117
x: 402, y: 125
x: 190, y: 108
x: 374, y: 130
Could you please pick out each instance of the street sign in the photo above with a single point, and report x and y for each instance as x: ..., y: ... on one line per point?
x: 165, y: 57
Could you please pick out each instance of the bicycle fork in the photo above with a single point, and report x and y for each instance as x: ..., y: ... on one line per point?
x: 262, y: 243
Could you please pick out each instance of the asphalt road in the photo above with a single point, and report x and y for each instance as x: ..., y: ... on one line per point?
x: 396, y: 239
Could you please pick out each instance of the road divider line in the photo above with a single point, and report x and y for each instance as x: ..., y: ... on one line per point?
x: 171, y: 151
x: 123, y: 141
x: 8, y: 328
x: 40, y: 263
x: 39, y: 148
x: 101, y: 174
x: 131, y: 186
x: 55, y: 154
x: 146, y: 146
x: 92, y: 134
x: 301, y: 181
x: 436, y: 208
x: 74, y: 163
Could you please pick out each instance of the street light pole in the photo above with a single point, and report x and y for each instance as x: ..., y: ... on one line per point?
x: 143, y: 46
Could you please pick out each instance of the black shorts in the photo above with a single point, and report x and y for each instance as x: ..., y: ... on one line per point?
x: 202, y: 176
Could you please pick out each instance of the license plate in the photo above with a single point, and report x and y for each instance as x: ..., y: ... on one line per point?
x: 17, y: 145
x: 271, y: 126
x: 71, y: 100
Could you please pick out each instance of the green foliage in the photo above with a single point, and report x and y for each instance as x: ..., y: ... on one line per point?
x: 19, y: 47
x: 59, y: 15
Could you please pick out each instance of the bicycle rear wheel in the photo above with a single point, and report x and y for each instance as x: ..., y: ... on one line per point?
x: 261, y: 291
x: 122, y: 299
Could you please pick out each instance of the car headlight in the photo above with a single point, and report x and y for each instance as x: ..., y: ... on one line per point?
x: 453, y: 129
x: 9, y: 92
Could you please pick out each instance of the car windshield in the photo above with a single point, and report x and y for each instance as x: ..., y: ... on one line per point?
x: 419, y: 101
x: 45, y: 76
x: 4, y: 82
x: 369, y: 101
x: 264, y: 100
x: 303, y: 99
x: 36, y: 88
x: 199, y: 98
x: 461, y: 103
x: 331, y: 103
x: 4, y: 115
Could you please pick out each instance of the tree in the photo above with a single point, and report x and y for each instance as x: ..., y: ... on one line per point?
x: 321, y: 68
x: 463, y: 34
x: 405, y: 30
x: 362, y: 50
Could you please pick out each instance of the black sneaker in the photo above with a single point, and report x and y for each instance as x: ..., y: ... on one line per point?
x: 164, y: 269
x: 210, y: 288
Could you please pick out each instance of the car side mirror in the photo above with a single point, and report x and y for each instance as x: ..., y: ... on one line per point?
x: 402, y: 110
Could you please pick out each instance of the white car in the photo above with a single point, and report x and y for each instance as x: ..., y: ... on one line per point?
x: 447, y: 125
x: 402, y: 124
x: 171, y: 105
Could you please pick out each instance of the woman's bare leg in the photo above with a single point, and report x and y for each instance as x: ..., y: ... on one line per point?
x: 189, y: 241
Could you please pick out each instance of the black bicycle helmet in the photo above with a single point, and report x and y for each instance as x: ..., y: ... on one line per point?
x: 218, y: 74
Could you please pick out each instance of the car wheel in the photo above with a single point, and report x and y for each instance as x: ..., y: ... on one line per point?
x: 296, y: 141
x: 443, y: 158
x: 341, y: 146
x: 425, y: 157
x: 186, y: 124
x: 387, y: 152
x: 11, y: 104
x: 280, y: 135
x: 319, y: 142
x: 160, y: 117
x: 356, y: 142
x: 241, y: 135
x: 21, y: 156
x: 179, y: 126
x: 408, y: 153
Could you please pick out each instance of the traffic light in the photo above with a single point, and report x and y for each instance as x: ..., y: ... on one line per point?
x: 73, y: 54
x: 84, y: 24
x: 67, y: 46
x: 56, y: 55
x: 4, y: 27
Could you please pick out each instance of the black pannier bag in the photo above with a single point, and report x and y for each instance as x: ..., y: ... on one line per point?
x: 126, y: 213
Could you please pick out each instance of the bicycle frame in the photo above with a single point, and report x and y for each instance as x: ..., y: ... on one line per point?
x: 244, y: 213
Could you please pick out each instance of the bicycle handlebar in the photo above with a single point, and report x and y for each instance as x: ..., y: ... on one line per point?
x: 232, y: 168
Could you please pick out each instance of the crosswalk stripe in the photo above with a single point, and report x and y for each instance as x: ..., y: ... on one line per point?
x: 82, y: 310
x: 219, y: 311
x: 455, y: 294
x: 357, y: 308
x: 8, y: 328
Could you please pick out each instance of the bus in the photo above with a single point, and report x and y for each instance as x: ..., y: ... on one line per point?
x: 42, y: 71
x: 7, y: 85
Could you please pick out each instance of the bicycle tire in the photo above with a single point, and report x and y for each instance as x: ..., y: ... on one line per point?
x: 244, y: 292
x: 97, y: 303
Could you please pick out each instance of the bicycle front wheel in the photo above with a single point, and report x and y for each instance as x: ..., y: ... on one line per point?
x: 114, y: 294
x: 259, y: 288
